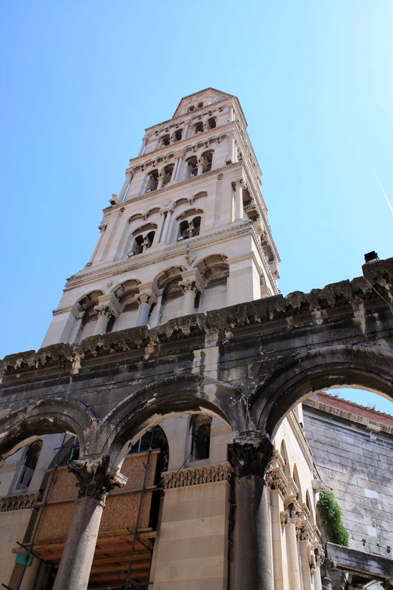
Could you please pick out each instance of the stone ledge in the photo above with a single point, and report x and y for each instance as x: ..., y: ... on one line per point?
x: 196, y: 475
x: 223, y: 321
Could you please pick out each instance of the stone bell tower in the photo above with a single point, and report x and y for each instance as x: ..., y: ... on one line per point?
x: 187, y: 233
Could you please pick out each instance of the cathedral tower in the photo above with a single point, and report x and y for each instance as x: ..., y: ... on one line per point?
x: 187, y: 233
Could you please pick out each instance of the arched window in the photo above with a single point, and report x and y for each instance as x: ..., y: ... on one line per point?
x: 192, y: 167
x: 165, y: 140
x: 189, y: 228
x: 142, y: 242
x: 178, y: 135
x: 191, y: 109
x: 29, y: 465
x: 152, y: 182
x: 200, y: 429
x: 198, y: 128
x: 200, y: 105
x: 212, y: 123
x: 88, y: 304
x: 207, y: 159
x: 167, y: 174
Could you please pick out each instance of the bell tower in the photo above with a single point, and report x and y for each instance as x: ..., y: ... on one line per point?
x: 187, y: 233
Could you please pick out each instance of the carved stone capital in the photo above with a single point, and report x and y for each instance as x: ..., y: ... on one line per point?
x: 275, y: 476
x: 291, y: 514
x: 250, y: 456
x: 192, y: 281
x: 145, y: 299
x: 95, y: 478
x: 108, y: 306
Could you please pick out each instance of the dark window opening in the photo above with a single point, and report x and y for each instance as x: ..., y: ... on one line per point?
x: 192, y: 167
x: 200, y: 105
x: 142, y: 243
x: 152, y: 183
x: 212, y: 123
x: 178, y: 134
x: 167, y: 173
x: 191, y: 109
x: 200, y: 427
x: 30, y: 463
x: 207, y: 161
x: 198, y: 127
x: 189, y: 228
x: 165, y: 140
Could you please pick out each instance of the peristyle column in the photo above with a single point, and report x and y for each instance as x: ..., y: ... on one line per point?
x: 249, y: 459
x: 191, y: 284
x: 290, y: 519
x: 166, y: 226
x: 95, y: 480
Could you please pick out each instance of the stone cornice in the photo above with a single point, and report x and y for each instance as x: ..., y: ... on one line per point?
x: 348, y: 416
x: 170, y: 187
x: 196, y: 475
x: 19, y: 501
x: 223, y: 322
x: 177, y: 249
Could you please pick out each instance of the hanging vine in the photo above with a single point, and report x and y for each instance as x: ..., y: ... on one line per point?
x: 331, y: 518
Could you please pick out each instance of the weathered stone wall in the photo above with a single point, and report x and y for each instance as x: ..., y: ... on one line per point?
x: 356, y: 461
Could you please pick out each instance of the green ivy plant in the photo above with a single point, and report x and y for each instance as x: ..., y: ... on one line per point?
x: 332, y: 522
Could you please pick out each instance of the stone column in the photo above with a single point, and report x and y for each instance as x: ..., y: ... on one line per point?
x: 155, y: 315
x: 124, y: 187
x: 108, y: 307
x: 304, y: 538
x: 160, y: 181
x: 102, y: 229
x: 95, y: 480
x: 147, y: 296
x: 174, y: 173
x: 144, y: 142
x: 200, y: 166
x: 185, y: 132
x: 191, y: 284
x: 249, y: 458
x: 277, y: 482
x: 290, y: 519
x: 166, y: 226
x: 239, y: 200
x: 157, y: 238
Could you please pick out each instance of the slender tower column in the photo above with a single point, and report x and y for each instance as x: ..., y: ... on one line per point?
x: 124, y: 187
x: 95, y: 480
x: 160, y: 181
x: 144, y: 142
x: 147, y: 296
x: 249, y: 458
x: 102, y: 229
x: 200, y: 166
x: 157, y: 238
x: 191, y: 284
x: 108, y: 307
x: 166, y: 226
x: 239, y: 201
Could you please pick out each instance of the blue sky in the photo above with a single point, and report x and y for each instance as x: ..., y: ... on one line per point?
x: 81, y: 80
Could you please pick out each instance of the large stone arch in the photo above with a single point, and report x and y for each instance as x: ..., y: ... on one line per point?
x: 352, y: 366
x: 148, y: 406
x: 48, y: 416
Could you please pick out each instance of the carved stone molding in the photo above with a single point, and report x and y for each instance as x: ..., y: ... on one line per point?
x: 19, y: 501
x: 196, y: 475
x: 95, y: 478
x: 250, y: 457
x: 291, y: 514
x: 275, y: 476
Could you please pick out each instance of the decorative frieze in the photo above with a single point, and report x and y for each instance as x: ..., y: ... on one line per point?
x: 19, y: 501
x: 196, y: 475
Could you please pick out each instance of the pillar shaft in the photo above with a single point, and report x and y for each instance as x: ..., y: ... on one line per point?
x: 166, y: 227
x: 78, y: 553
x: 249, y: 458
x: 102, y: 324
x: 143, y: 316
x: 255, y: 559
x: 95, y: 480
x: 239, y: 201
x: 124, y: 188
x: 292, y: 557
x: 306, y: 574
x: 189, y: 302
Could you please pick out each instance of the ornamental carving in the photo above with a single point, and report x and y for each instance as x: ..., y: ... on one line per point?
x: 19, y: 501
x: 275, y: 476
x: 291, y: 514
x: 95, y: 478
x: 250, y: 457
x: 196, y: 475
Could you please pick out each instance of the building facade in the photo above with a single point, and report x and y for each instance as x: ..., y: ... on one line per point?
x: 187, y: 235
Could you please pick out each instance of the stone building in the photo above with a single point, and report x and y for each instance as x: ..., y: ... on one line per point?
x: 159, y: 385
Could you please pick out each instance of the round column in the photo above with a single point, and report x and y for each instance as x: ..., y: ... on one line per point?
x: 239, y: 201
x: 189, y: 299
x: 145, y: 303
x: 249, y: 461
x: 103, y: 317
x: 290, y: 519
x: 95, y: 480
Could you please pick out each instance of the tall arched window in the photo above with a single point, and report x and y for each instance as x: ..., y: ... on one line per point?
x: 200, y: 430
x: 165, y: 140
x: 167, y: 174
x: 207, y: 159
x: 31, y: 459
x: 192, y: 167
x: 152, y: 182
x: 212, y: 123
x: 198, y: 128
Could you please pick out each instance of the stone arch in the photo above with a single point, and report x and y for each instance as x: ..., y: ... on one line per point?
x: 174, y: 396
x: 341, y: 366
x: 48, y: 416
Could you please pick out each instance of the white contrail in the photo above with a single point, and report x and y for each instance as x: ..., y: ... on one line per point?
x: 384, y: 194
